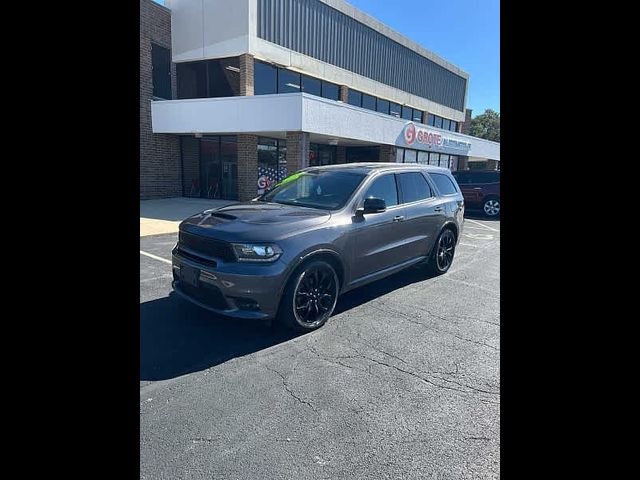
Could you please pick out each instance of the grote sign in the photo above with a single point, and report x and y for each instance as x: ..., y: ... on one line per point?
x: 431, y: 139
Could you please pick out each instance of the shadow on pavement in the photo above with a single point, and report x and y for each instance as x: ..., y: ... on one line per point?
x: 177, y: 338
x: 479, y: 215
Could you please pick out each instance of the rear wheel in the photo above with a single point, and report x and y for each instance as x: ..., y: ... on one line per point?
x: 310, y: 296
x: 443, y: 252
x: 491, y: 207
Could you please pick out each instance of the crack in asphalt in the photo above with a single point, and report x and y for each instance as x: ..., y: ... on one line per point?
x: 384, y: 308
x: 288, y: 389
x: 413, y: 374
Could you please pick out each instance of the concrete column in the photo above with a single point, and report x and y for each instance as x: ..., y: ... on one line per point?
x: 344, y: 93
x: 387, y: 153
x: 247, y: 167
x: 246, y: 74
x: 297, y: 151
x: 425, y: 117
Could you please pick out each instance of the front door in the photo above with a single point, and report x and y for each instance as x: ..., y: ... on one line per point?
x: 377, y: 242
x: 219, y: 167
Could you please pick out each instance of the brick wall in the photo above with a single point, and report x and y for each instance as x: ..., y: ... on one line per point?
x: 160, y: 168
x: 387, y: 153
x: 246, y: 74
x: 297, y: 151
x: 463, y: 127
x: 247, y: 167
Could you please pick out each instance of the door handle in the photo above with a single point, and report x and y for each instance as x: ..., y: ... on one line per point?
x: 437, y: 209
x: 398, y: 218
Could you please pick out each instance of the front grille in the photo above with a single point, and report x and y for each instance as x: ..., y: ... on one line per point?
x: 205, y: 293
x: 207, y: 247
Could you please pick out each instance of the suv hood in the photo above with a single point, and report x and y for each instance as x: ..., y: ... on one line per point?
x: 254, y: 221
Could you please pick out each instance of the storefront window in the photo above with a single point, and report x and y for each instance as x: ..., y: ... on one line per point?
x: 438, y: 122
x: 454, y: 126
x: 192, y: 80
x: 330, y: 90
x: 322, y: 155
x: 355, y: 98
x: 446, y: 123
x: 423, y: 157
x: 431, y: 120
x: 434, y: 158
x: 272, y: 162
x: 399, y: 155
x: 264, y: 79
x: 444, y: 160
x: 311, y: 85
x: 407, y: 112
x: 410, y: 156
x: 417, y: 115
x: 362, y: 154
x: 395, y: 109
x: 453, y: 163
x: 368, y: 102
x: 288, y: 81
x: 383, y: 106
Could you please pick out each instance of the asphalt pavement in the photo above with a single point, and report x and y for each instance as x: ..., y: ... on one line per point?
x: 403, y: 382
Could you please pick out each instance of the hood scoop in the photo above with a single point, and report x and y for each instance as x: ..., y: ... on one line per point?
x: 224, y: 216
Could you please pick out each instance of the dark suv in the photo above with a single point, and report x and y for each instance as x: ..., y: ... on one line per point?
x: 481, y: 190
x: 322, y: 232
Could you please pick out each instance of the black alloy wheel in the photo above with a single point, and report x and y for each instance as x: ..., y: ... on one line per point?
x: 443, y: 252
x: 311, y: 296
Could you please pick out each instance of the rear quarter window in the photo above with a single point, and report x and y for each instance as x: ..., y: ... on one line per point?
x: 444, y: 183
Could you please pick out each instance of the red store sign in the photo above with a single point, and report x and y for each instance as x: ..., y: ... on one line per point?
x: 413, y: 134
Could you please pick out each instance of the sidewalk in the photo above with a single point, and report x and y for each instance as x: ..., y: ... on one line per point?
x: 165, y: 214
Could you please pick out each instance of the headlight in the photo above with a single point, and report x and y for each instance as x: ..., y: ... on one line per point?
x: 256, y: 252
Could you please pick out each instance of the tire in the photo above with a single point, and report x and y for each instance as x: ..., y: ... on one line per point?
x: 442, y: 252
x: 491, y: 207
x: 310, y: 297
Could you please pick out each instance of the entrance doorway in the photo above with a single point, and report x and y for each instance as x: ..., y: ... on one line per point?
x: 219, y: 167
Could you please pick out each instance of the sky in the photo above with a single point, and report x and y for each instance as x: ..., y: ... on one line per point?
x: 463, y: 32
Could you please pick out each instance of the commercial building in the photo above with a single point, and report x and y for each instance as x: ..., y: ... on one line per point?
x: 236, y: 94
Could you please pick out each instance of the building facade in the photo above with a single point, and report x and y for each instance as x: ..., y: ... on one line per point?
x: 249, y: 91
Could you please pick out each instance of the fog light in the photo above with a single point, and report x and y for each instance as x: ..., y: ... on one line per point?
x: 246, y: 304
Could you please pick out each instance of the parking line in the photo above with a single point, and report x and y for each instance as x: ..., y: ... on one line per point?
x: 155, y: 257
x: 481, y: 224
x: 469, y: 245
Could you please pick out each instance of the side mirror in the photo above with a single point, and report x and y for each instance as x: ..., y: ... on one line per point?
x: 373, y: 205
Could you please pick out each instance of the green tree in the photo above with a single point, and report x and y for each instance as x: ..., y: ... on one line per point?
x: 486, y: 125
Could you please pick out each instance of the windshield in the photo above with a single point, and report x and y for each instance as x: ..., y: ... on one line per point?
x: 326, y: 190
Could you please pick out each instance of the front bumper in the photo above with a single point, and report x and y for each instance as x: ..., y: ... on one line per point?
x: 236, y: 290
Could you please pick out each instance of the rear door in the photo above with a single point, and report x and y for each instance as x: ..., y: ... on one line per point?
x: 424, y: 213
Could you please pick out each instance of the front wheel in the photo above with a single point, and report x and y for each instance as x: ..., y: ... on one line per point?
x: 491, y: 207
x: 310, y: 297
x: 442, y: 253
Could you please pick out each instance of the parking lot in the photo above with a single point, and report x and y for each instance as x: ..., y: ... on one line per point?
x: 402, y: 382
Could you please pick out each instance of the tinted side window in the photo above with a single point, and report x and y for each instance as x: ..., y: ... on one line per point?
x: 462, y: 177
x: 414, y: 187
x: 385, y: 188
x: 493, y: 177
x: 444, y: 183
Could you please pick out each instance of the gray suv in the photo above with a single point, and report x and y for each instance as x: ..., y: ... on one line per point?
x: 323, y: 231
